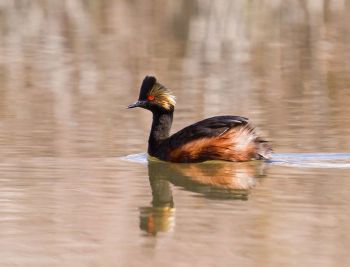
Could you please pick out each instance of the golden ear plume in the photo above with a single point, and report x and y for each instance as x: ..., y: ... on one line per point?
x: 163, y: 96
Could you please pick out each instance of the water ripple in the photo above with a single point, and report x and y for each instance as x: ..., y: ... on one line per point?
x: 312, y: 160
x: 303, y: 160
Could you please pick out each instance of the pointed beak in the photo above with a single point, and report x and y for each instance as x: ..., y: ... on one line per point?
x: 137, y: 104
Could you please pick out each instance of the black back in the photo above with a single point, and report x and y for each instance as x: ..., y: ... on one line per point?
x: 210, y: 127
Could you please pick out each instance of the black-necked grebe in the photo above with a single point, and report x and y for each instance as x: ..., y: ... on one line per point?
x: 229, y: 138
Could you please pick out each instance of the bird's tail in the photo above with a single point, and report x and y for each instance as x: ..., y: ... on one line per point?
x: 263, y: 148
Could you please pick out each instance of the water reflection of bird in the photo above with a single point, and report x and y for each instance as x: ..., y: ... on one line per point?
x: 229, y: 138
x: 214, y: 179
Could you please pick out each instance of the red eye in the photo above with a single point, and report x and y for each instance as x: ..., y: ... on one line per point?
x: 150, y: 97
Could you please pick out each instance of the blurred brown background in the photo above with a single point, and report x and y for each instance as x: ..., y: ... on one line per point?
x: 68, y: 69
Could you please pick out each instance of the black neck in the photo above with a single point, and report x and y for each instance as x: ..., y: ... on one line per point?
x: 160, y: 130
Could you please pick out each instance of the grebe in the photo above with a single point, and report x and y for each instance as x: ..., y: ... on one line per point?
x: 229, y: 138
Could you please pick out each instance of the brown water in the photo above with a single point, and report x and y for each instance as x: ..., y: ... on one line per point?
x: 75, y: 192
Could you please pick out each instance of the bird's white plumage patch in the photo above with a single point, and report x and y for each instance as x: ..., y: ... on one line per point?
x: 244, y: 138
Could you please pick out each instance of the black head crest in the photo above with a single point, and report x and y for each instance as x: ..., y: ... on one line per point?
x: 156, y: 94
x: 147, y: 85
